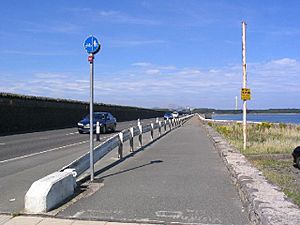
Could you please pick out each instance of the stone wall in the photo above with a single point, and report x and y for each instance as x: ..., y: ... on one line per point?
x: 19, y: 113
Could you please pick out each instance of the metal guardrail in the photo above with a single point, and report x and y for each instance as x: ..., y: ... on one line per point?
x: 80, y: 165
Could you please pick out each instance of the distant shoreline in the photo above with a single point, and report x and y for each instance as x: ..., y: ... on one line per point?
x: 260, y: 113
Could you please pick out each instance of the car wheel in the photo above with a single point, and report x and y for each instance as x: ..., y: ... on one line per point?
x: 103, y: 129
x: 80, y: 132
x: 113, y: 129
x: 298, y: 162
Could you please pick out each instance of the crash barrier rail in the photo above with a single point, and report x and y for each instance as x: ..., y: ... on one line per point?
x: 52, y: 190
x: 80, y: 165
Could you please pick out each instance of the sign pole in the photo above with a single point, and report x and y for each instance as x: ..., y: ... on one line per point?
x: 91, y: 116
x: 244, y: 84
x: 92, y: 46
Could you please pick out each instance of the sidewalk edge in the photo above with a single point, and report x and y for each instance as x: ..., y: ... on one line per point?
x: 265, y: 202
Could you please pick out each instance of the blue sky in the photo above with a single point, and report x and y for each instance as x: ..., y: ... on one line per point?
x: 156, y: 53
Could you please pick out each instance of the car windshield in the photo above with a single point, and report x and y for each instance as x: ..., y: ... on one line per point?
x: 168, y: 114
x: 96, y: 116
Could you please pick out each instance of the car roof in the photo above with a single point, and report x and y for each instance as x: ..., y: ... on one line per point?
x: 101, y: 112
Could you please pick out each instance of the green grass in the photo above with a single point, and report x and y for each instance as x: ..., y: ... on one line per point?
x: 263, y: 138
x: 269, y: 139
x: 279, y: 172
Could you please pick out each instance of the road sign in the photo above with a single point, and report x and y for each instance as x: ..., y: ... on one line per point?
x: 91, y: 58
x: 245, y: 94
x: 92, y: 45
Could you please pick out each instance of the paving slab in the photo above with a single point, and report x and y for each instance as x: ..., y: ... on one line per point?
x: 84, y: 222
x: 180, y: 178
x: 53, y: 221
x: 4, y: 218
x: 24, y: 220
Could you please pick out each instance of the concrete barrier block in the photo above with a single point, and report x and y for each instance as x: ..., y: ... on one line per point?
x: 50, y: 191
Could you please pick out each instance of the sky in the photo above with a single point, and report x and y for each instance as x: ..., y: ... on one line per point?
x: 154, y: 53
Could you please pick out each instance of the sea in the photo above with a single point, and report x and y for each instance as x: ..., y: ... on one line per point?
x: 293, y: 118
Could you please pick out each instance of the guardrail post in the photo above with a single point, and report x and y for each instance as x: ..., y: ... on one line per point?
x: 170, y: 124
x: 156, y: 121
x: 141, y: 135
x: 152, y: 132
x: 159, y: 128
x: 97, y: 131
x: 165, y: 124
x: 138, y: 122
x: 120, y: 155
x: 131, y: 139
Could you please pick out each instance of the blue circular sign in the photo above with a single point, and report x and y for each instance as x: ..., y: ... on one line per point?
x: 92, y: 45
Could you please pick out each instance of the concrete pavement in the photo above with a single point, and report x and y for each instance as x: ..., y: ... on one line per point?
x: 30, y: 220
x: 180, y: 178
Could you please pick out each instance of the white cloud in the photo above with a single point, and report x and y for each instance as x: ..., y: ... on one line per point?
x: 120, y: 17
x: 152, y: 71
x: 53, y: 27
x: 133, y: 43
x: 284, y: 61
x: 197, y: 87
x: 142, y: 64
x: 36, y: 53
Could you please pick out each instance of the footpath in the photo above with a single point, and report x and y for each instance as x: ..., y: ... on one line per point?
x: 179, y: 179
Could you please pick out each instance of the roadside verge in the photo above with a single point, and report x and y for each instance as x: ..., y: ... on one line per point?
x: 266, y: 203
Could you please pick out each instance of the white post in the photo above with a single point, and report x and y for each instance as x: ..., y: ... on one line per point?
x: 244, y: 84
x: 236, y: 102
x: 138, y: 122
x: 159, y: 128
x: 98, y: 131
x: 152, y: 132
x: 91, y: 117
x: 131, y: 139
x: 120, y: 150
x: 140, y: 135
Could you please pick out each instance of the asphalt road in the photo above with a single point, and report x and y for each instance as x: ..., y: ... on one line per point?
x: 179, y: 178
x: 25, y: 158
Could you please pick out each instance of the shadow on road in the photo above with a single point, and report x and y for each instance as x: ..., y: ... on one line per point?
x: 137, y: 167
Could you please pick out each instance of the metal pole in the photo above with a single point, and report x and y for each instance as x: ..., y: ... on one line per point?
x: 244, y: 84
x: 91, y: 117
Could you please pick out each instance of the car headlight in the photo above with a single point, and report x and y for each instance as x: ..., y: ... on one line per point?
x: 79, y: 124
x: 87, y: 126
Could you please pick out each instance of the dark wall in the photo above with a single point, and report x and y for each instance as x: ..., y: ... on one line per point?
x: 19, y: 114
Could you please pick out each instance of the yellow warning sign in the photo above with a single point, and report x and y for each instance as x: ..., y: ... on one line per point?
x: 245, y: 94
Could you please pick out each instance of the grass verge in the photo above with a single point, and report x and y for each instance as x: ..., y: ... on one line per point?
x: 266, y: 140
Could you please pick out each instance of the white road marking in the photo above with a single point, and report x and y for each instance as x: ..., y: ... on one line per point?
x: 78, y: 214
x: 169, y: 214
x: 43, y: 138
x: 42, y: 152
x: 1, y: 144
x: 72, y: 133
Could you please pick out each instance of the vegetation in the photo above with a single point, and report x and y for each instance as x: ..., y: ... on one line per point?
x: 263, y: 138
x: 265, y: 142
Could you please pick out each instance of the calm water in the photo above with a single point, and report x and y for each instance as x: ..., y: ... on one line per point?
x: 274, y: 118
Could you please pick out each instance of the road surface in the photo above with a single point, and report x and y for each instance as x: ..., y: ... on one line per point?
x: 25, y: 158
x: 179, y: 178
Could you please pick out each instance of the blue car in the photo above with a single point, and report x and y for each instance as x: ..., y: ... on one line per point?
x: 106, y: 120
x: 168, y: 115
